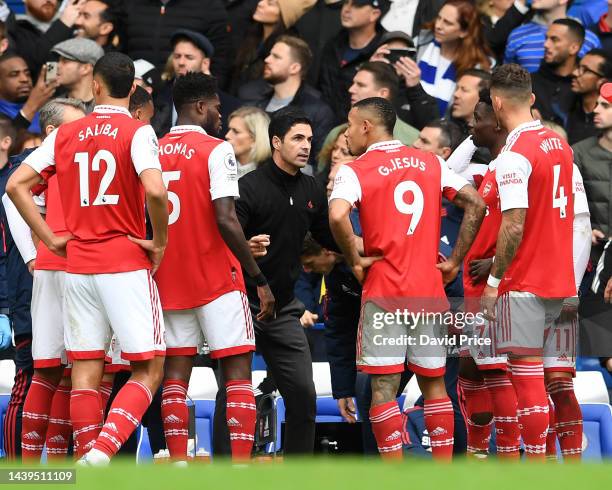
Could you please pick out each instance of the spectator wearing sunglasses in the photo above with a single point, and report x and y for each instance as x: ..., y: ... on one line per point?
x: 593, y: 70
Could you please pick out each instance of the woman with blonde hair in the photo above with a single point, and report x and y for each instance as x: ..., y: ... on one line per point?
x: 248, y: 135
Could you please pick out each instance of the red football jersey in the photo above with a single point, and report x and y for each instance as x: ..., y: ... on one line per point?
x: 98, y: 160
x: 485, y: 241
x: 198, y: 266
x: 54, y: 216
x: 398, y: 191
x: 534, y: 171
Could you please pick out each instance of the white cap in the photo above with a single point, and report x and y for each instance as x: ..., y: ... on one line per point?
x: 142, y: 67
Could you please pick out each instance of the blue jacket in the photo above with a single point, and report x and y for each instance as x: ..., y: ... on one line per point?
x: 18, y: 278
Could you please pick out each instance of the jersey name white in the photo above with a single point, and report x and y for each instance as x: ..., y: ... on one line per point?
x: 551, y: 144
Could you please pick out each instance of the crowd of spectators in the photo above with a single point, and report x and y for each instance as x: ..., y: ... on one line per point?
x: 430, y: 58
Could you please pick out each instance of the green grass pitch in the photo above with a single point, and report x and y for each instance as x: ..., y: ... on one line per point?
x: 340, y: 474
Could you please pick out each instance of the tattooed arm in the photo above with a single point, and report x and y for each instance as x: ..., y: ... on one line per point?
x: 512, y: 174
x: 508, y: 240
x: 474, y: 209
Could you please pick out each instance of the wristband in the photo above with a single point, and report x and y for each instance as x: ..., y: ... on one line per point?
x: 260, y: 280
x: 493, y: 281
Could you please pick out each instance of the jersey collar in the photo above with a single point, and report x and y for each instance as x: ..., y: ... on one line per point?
x: 111, y: 109
x: 528, y: 126
x: 184, y: 128
x: 385, y: 145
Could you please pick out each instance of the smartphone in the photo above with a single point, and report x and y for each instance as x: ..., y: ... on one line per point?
x: 395, y: 54
x: 51, y: 74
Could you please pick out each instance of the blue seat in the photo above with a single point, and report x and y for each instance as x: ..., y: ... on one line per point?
x: 597, y: 427
x: 592, y: 364
x: 16, y: 6
x: 258, y: 363
x: 4, y: 400
x: 143, y: 451
x: 327, y: 410
x: 204, y: 415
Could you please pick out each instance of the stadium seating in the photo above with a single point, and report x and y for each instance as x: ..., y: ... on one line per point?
x: 7, y: 376
x: 597, y: 426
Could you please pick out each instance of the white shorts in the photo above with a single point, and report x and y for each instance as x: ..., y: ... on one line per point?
x: 387, y: 347
x: 48, y: 346
x: 483, y: 353
x: 522, y: 320
x: 114, y: 361
x: 560, y: 347
x: 226, y: 323
x: 126, y: 303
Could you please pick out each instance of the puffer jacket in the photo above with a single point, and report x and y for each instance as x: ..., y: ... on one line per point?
x: 595, y: 164
x: 147, y: 26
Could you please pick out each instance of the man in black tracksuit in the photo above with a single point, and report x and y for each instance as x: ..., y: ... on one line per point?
x: 280, y: 201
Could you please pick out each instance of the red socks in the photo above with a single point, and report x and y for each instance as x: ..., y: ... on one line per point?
x: 241, y: 415
x: 36, y: 418
x: 568, y: 417
x: 60, y: 427
x: 507, y: 432
x: 106, y: 388
x: 528, y: 381
x: 86, y: 419
x: 440, y: 424
x: 125, y: 414
x: 477, y: 400
x: 551, y: 438
x: 387, y: 427
x: 175, y: 418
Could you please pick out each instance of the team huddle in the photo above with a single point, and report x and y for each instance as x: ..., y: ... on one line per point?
x: 105, y: 294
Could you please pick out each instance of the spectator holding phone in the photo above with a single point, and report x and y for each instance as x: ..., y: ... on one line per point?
x: 34, y: 34
x: 413, y: 104
x: 450, y: 45
x: 18, y: 99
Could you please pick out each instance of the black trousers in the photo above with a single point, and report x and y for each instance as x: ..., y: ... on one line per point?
x: 24, y: 369
x: 282, y: 343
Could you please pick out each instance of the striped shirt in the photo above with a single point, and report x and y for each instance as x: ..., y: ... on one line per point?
x: 438, y: 75
x: 526, y: 45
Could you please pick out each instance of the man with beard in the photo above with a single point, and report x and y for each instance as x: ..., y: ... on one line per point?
x: 191, y: 52
x: 283, y: 85
x: 34, y: 34
x: 201, y: 286
x: 552, y: 83
x: 281, y: 202
x: 97, y: 21
x: 18, y: 99
x: 594, y: 69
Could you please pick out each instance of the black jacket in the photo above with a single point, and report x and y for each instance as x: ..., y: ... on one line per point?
x: 605, y: 38
x: 554, y: 96
x: 259, y: 93
x: 579, y: 125
x: 427, y: 10
x: 33, y: 45
x: 317, y: 27
x: 147, y: 28
x: 285, y: 207
x: 497, y: 35
x: 18, y: 278
x: 416, y: 107
x: 336, y: 76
